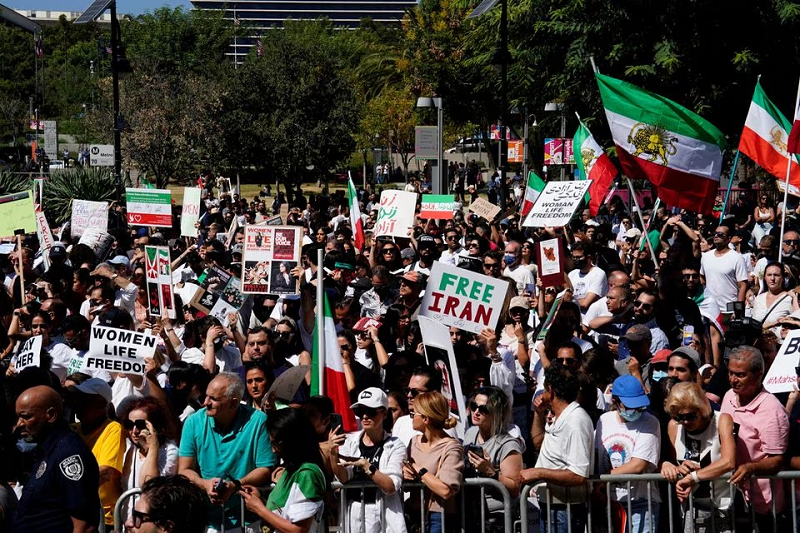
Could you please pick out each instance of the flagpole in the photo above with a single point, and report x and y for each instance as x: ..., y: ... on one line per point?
x: 650, y: 222
x: 730, y: 185
x: 641, y: 221
x: 320, y: 355
x: 789, y: 156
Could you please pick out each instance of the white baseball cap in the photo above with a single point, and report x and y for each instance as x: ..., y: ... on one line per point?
x: 372, y: 397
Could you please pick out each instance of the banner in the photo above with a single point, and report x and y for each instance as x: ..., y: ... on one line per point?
x: 219, y: 295
x: 16, y: 212
x: 99, y: 241
x: 149, y: 207
x: 29, y: 355
x: 464, y: 299
x: 782, y: 376
x: 440, y: 355
x: 88, y: 215
x: 269, y: 255
x: 484, y: 209
x: 437, y: 206
x: 558, y: 151
x: 516, y: 152
x: 395, y: 213
x: 158, y: 272
x: 118, y: 350
x: 556, y: 204
x: 274, y: 221
x: 191, y: 211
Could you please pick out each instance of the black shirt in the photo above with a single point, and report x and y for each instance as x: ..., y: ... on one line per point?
x: 64, y: 483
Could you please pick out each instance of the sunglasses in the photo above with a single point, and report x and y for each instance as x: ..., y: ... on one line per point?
x: 691, y: 276
x: 452, y: 238
x: 791, y: 242
x: 412, y: 392
x: 644, y: 305
x: 369, y: 412
x: 345, y: 347
x: 139, y: 424
x: 567, y: 361
x: 140, y: 518
x: 689, y: 417
x: 474, y: 245
x: 721, y: 234
x: 475, y: 408
x: 284, y: 334
x: 388, y: 251
x: 491, y: 266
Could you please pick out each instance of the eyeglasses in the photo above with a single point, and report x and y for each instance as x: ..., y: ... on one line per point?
x: 691, y: 276
x: 550, y: 290
x: 140, y: 518
x: 721, y: 234
x: 452, y: 237
x: 345, y: 347
x: 491, y: 266
x: 369, y: 412
x: 475, y: 408
x: 644, y: 305
x: 388, y: 251
x: 474, y: 245
x: 96, y: 302
x: 412, y: 392
x: 688, y: 417
x: 791, y: 242
x: 139, y: 424
x: 566, y: 361
x: 284, y: 334
x: 363, y: 335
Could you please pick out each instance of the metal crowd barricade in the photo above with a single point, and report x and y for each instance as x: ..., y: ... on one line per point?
x: 481, y: 483
x: 791, y: 478
x: 119, y: 519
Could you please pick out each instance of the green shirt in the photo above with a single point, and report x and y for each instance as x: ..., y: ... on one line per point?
x: 299, y: 496
x: 238, y: 452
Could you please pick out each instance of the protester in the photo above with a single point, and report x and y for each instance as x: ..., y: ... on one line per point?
x: 171, y: 504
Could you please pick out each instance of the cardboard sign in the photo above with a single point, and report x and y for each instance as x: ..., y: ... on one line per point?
x: 149, y: 207
x: 285, y: 386
x: 395, y: 213
x: 158, y: 272
x: 782, y: 376
x: 98, y: 240
x: 88, y: 215
x: 269, y: 255
x: 793, y: 190
x: 16, y: 212
x: 118, y: 350
x: 364, y: 323
x: 556, y: 204
x: 29, y: 355
x: 550, y: 260
x: 191, y: 211
x: 484, y: 209
x: 274, y: 221
x: 219, y: 295
x: 464, y: 299
x: 551, y: 316
x: 437, y: 206
x: 46, y: 239
x: 440, y: 355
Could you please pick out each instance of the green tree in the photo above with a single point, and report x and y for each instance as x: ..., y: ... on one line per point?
x: 391, y: 117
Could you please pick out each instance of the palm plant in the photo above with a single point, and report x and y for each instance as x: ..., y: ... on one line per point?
x: 11, y: 182
x: 96, y: 184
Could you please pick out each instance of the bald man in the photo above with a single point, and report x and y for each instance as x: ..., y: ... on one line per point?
x: 61, y: 494
x: 616, y: 278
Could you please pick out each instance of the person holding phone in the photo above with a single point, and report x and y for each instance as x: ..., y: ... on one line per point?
x: 372, y: 455
x: 490, y: 450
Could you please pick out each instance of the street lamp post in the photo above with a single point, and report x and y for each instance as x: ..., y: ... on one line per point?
x: 439, y: 177
x: 525, y: 145
x: 558, y: 106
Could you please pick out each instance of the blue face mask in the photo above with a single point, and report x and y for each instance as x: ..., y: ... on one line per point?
x: 509, y: 259
x: 658, y: 375
x: 630, y: 415
x: 25, y: 446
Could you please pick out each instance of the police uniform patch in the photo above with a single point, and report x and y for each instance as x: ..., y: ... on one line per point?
x: 72, y: 467
x: 41, y: 469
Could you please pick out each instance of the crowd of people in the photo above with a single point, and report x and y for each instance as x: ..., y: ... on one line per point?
x: 665, y: 325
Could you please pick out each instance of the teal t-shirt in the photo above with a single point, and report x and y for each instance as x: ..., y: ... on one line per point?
x: 238, y: 452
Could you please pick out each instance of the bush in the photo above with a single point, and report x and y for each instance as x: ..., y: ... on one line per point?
x: 96, y: 184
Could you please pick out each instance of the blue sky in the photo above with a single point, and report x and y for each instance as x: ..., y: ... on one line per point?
x: 133, y: 7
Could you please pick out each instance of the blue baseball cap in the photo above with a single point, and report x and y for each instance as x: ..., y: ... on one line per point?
x: 630, y: 392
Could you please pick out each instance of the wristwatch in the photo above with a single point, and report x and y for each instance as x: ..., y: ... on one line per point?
x: 421, y: 472
x: 372, y: 469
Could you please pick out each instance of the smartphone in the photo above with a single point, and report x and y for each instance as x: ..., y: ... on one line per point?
x: 348, y: 459
x: 336, y: 422
x: 688, y: 333
x: 474, y: 448
x: 219, y: 484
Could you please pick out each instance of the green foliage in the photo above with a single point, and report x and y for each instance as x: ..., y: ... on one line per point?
x: 96, y: 184
x: 11, y: 182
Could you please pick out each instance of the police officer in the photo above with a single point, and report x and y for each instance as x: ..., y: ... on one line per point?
x: 61, y: 494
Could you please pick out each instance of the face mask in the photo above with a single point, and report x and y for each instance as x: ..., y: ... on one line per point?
x: 25, y: 446
x: 630, y: 415
x: 579, y: 263
x: 509, y: 259
x: 658, y: 375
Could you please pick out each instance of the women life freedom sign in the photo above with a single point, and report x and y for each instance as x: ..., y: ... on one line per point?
x: 395, y: 213
x: 463, y: 299
x: 270, y: 253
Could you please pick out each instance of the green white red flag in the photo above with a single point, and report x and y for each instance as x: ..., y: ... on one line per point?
x: 793, y: 144
x: 335, y: 386
x: 593, y: 163
x: 765, y: 136
x: 356, y: 223
x: 659, y: 140
x: 533, y: 189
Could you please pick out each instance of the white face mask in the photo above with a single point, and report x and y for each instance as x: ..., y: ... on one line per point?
x: 630, y: 415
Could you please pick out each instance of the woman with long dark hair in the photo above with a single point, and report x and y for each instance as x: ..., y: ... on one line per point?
x: 298, y: 499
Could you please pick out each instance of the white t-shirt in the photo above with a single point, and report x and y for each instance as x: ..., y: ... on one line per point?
x: 596, y: 310
x: 451, y: 258
x: 617, y: 443
x: 522, y: 275
x: 229, y: 359
x: 595, y: 281
x: 722, y: 275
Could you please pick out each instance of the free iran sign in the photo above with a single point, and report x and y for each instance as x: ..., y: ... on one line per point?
x: 101, y: 155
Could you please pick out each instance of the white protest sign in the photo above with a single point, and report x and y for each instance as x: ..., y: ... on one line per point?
x: 439, y: 354
x: 29, y: 355
x: 484, y: 209
x: 467, y: 300
x: 395, y: 213
x: 88, y: 215
x: 285, y: 386
x: 118, y: 350
x: 782, y: 376
x: 556, y: 204
x: 191, y: 211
